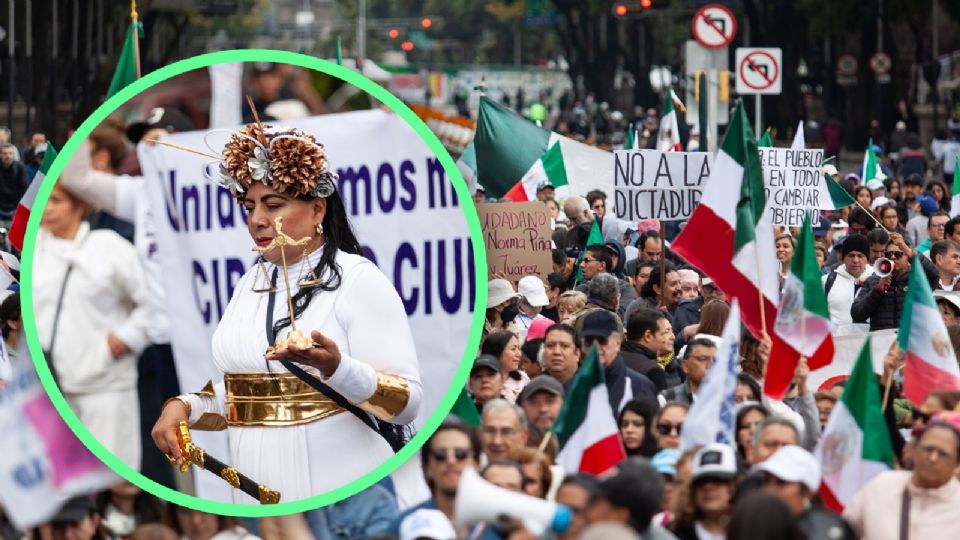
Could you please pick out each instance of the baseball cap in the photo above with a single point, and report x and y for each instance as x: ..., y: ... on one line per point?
x: 951, y: 297
x: 538, y: 328
x: 793, y: 464
x: 488, y: 361
x: 531, y: 288
x: 715, y: 460
x: 875, y: 184
x: 427, y: 523
x: 830, y: 169
x: 544, y: 185
x: 541, y: 383
x: 823, y: 228
x: 599, y: 323
x: 928, y: 205
x: 665, y: 461
x: 167, y: 118
x: 499, y: 291
x: 878, y: 202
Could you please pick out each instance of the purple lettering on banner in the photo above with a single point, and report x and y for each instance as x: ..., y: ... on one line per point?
x: 405, y: 253
x: 406, y: 170
x: 69, y: 458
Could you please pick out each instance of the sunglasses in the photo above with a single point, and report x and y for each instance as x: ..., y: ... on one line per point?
x: 667, y: 429
x: 894, y: 254
x: 442, y: 454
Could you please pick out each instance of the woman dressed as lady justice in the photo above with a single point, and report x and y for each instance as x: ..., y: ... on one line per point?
x: 313, y: 301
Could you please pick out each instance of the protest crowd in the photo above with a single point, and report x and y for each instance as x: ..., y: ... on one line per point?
x: 622, y: 393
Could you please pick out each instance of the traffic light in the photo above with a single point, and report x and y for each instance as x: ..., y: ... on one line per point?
x: 407, y: 46
x: 696, y: 84
x: 620, y: 10
x: 724, y: 86
x: 426, y: 22
x: 393, y: 33
x: 645, y: 4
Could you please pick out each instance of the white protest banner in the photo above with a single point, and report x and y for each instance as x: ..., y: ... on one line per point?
x: 400, y: 202
x: 42, y: 463
x: 649, y: 184
x: 794, y: 184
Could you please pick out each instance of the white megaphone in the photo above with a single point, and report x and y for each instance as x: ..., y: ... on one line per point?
x: 480, y: 501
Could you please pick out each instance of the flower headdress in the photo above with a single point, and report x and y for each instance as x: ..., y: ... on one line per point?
x: 285, y: 159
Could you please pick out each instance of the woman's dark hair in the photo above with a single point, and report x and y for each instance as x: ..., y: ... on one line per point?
x: 646, y: 407
x: 9, y: 311
x: 496, y: 342
x: 747, y: 380
x: 944, y: 202
x: 858, y: 189
x: 338, y: 236
x: 531, y: 348
x: 761, y: 516
x: 146, y: 506
x: 223, y: 522
x: 647, y: 290
x: 889, y: 182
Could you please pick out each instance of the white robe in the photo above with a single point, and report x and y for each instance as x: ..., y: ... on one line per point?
x: 366, y: 318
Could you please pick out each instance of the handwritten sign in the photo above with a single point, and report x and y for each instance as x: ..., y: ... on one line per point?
x: 517, y: 237
x: 794, y: 184
x: 667, y: 186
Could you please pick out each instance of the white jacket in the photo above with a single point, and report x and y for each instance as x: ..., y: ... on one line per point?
x: 841, y: 296
x: 104, y: 295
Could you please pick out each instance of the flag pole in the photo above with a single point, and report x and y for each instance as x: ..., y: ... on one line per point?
x: 763, y: 309
x: 136, y: 35
x: 869, y: 213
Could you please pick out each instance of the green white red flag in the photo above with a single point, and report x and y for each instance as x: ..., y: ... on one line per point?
x: 21, y: 215
x: 870, y: 169
x: 855, y: 445
x: 668, y: 137
x: 931, y: 363
x: 803, y: 318
x: 587, y: 433
x: 549, y: 168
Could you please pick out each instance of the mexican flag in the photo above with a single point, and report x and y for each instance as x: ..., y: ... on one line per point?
x: 508, y: 145
x: 18, y: 227
x: 549, y: 168
x: 855, y: 445
x: 955, y: 200
x: 803, y: 318
x: 870, y: 169
x: 126, y: 72
x: 729, y: 236
x: 765, y: 140
x: 668, y: 137
x: 835, y: 197
x: 586, y: 431
x: 931, y: 363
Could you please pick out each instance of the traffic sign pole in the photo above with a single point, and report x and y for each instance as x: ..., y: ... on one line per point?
x: 757, y: 111
x: 713, y: 99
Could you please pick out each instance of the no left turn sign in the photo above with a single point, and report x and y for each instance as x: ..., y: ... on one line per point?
x: 714, y: 26
x: 759, y: 70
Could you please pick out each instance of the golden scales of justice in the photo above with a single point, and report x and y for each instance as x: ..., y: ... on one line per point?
x: 281, y: 240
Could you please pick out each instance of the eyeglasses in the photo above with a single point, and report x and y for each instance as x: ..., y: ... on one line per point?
x: 600, y: 340
x: 587, y: 260
x: 894, y: 254
x: 667, y: 429
x: 938, y: 225
x: 442, y: 454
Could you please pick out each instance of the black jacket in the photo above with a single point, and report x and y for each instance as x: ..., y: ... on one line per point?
x: 616, y: 376
x: 643, y: 361
x: 14, y: 182
x: 883, y: 309
x: 687, y: 313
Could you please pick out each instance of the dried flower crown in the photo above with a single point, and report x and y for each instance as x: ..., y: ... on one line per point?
x: 285, y: 159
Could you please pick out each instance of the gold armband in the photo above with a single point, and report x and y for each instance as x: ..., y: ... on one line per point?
x: 390, y: 397
x: 207, y: 421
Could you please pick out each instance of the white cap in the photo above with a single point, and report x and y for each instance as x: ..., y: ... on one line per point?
x: 427, y: 523
x: 793, y: 464
x: 715, y: 460
x: 499, y: 291
x: 532, y: 289
x: 830, y: 169
x: 878, y: 202
x: 952, y: 297
x: 875, y: 184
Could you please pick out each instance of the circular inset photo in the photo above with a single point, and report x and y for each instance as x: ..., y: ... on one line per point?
x: 259, y: 268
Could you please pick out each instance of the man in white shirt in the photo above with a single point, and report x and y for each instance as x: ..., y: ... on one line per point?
x: 945, y: 255
x: 842, y: 284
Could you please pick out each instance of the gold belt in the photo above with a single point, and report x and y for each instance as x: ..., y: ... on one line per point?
x: 274, y: 399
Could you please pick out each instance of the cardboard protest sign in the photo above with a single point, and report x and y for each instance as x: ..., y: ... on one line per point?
x: 649, y: 184
x: 794, y: 184
x: 517, y: 237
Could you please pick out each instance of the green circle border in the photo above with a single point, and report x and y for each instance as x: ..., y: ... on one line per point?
x: 452, y: 173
